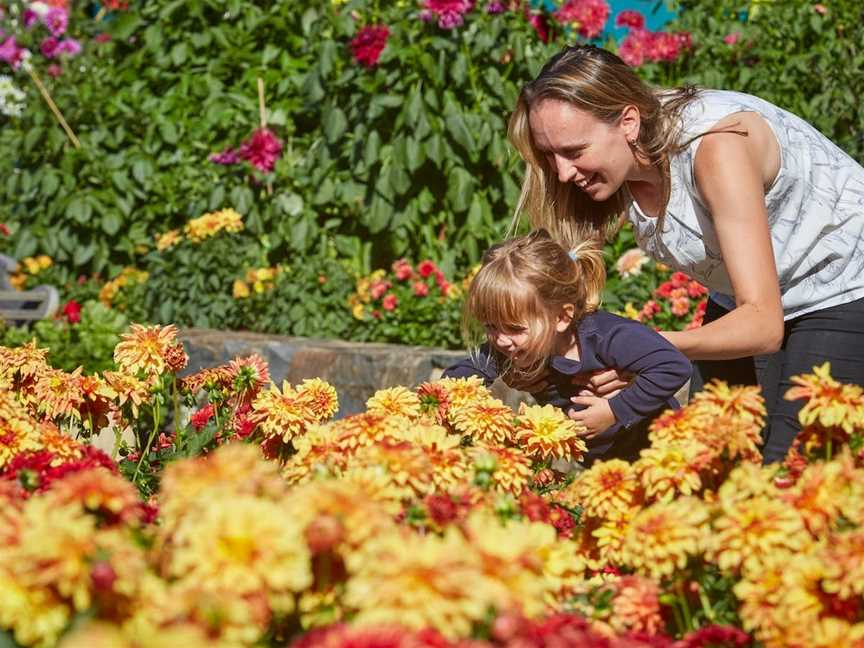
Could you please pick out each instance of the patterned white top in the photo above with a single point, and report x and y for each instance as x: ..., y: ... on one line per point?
x: 815, y: 212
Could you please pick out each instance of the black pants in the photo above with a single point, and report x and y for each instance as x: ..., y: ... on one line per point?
x: 835, y: 334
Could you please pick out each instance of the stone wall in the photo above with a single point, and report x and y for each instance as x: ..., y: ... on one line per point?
x: 355, y: 369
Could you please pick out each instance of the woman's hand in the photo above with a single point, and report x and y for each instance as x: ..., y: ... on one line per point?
x: 597, y: 417
x: 603, y: 382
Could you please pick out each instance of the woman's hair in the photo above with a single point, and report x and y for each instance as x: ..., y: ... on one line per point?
x: 598, y: 82
x: 525, y: 282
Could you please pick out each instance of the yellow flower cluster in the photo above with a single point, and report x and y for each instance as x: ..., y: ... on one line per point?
x: 128, y: 276
x: 208, y: 225
x: 259, y: 280
x: 30, y: 266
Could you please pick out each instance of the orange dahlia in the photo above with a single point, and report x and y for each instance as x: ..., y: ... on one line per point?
x: 668, y: 471
x: 636, y: 606
x: 284, y: 414
x: 509, y: 469
x: 394, y: 401
x: 321, y: 396
x: 146, y: 349
x: 490, y: 421
x: 463, y: 391
x: 434, y: 401
x: 607, y: 490
x: 662, y: 537
x: 59, y: 394
x: 361, y: 430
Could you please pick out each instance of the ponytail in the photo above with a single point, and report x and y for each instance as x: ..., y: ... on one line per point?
x: 588, y: 257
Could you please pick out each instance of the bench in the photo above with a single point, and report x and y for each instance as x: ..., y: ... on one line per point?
x: 20, y: 306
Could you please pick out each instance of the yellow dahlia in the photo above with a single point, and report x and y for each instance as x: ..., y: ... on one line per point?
x: 490, y: 421
x: 750, y: 534
x: 748, y: 480
x: 443, y: 451
x: 59, y: 394
x: 394, y: 401
x: 742, y: 402
x: 515, y: 555
x: 801, y: 603
x: 830, y: 632
x: 829, y: 403
x: 244, y: 544
x: 609, y: 538
x: 422, y: 582
x: 168, y: 239
x: 211, y: 224
x: 145, y: 348
x: 607, y: 490
x: 510, y: 468
x: 462, y: 392
x: 98, y: 490
x: 365, y: 429
x: 318, y: 453
x: 759, y: 594
x: 23, y: 363
x: 565, y: 566
x: 406, y: 465
x: 546, y: 432
x: 843, y: 553
x: 321, y: 396
x: 661, y: 538
x: 668, y: 471
x: 128, y: 389
x: 284, y: 413
x: 35, y: 615
x: 816, y: 495
x: 18, y: 432
x: 675, y: 426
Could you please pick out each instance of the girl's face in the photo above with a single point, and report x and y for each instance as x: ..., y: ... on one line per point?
x: 519, y: 344
x: 593, y: 155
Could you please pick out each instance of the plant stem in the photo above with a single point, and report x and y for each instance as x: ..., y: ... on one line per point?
x: 706, y: 605
x: 54, y: 109
x: 685, y: 605
x: 828, y: 448
x: 156, y: 420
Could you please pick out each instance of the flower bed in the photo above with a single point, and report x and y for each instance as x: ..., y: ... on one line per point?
x: 433, y: 518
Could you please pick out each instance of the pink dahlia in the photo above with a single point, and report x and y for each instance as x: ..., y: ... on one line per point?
x: 56, y: 20
x: 227, y: 157
x: 450, y: 13
x: 634, y: 48
x: 12, y: 53
x: 630, y: 18
x: 261, y: 150
x: 587, y: 16
x: 49, y: 47
x: 664, y: 47
x: 368, y: 44
x: 540, y: 23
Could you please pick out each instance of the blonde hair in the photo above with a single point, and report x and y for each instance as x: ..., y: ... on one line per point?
x: 525, y: 282
x: 596, y: 81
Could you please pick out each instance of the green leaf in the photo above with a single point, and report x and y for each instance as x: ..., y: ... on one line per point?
x: 49, y: 185
x: 179, y: 54
x: 83, y: 253
x: 111, y: 222
x: 371, y: 148
x: 415, y: 154
x: 459, y: 131
x: 168, y: 131
x: 290, y: 203
x: 79, y: 210
x: 124, y: 25
x: 460, y: 187
x: 378, y: 215
x: 335, y: 124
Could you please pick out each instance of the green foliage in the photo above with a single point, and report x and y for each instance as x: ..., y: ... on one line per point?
x: 407, y: 158
x: 787, y: 53
x: 89, y: 343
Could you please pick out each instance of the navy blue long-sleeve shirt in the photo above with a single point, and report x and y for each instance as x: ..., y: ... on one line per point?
x: 607, y: 341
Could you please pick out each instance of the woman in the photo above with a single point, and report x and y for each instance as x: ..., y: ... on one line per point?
x: 745, y: 197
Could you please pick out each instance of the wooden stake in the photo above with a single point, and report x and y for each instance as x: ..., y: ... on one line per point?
x: 101, y: 14
x: 262, y: 114
x: 54, y: 109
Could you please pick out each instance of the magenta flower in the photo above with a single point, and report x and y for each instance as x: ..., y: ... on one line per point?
x: 495, y: 7
x: 29, y: 18
x: 56, y: 20
x: 664, y: 47
x: 261, y: 150
x: 368, y: 44
x: 630, y: 18
x: 54, y: 70
x: 450, y: 13
x: 12, y: 53
x: 540, y: 23
x: 50, y: 47
x: 731, y: 39
x: 587, y: 16
x: 69, y: 47
x: 227, y: 157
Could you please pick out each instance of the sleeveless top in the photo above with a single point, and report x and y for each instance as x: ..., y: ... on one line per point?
x: 815, y: 212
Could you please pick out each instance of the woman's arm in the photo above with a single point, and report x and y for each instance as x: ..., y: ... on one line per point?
x: 732, y: 172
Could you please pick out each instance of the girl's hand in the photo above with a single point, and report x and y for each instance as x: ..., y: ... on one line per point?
x: 597, y: 416
x: 603, y: 382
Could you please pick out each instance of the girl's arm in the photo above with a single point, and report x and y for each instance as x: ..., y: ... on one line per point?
x: 732, y: 172
x: 659, y: 370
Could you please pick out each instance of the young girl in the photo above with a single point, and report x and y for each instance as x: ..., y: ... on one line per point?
x: 538, y: 306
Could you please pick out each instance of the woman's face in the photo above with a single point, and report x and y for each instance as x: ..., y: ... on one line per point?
x: 593, y: 155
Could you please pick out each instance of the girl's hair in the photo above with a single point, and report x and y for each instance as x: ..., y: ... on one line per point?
x: 598, y: 82
x: 525, y: 282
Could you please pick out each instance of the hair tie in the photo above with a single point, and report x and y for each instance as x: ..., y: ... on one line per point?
x: 573, y: 254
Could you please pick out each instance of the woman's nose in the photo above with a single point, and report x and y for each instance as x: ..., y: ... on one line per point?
x: 567, y: 171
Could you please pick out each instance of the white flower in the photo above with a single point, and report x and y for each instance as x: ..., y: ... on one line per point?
x: 630, y: 263
x: 11, y: 98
